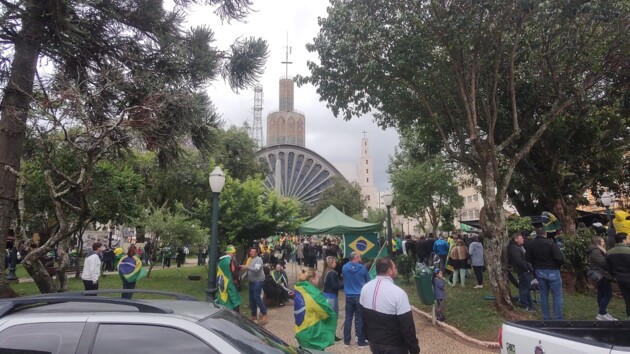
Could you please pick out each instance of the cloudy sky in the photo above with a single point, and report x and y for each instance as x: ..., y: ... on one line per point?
x: 335, y: 139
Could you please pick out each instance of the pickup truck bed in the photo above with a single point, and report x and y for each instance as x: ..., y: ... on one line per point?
x: 547, y: 337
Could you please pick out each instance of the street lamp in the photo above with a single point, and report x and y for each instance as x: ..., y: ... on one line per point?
x: 365, y: 215
x: 606, y: 200
x: 388, y: 198
x: 217, y: 181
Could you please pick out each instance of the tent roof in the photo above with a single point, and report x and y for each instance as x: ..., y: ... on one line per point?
x: 332, y: 221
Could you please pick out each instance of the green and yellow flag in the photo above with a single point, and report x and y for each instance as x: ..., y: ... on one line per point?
x: 130, y: 269
x: 228, y: 294
x: 381, y: 254
x: 315, y: 321
x: 365, y: 244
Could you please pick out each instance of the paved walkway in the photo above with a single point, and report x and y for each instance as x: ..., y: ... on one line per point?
x: 433, y: 340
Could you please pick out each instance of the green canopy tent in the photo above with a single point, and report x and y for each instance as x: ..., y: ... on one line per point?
x: 334, y: 222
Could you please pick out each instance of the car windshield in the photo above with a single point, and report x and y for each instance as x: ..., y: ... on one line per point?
x: 245, y: 335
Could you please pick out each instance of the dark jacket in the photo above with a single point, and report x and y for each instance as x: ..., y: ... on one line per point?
x: 597, y: 261
x: 618, y: 262
x: 332, y: 285
x: 439, y: 288
x: 517, y: 259
x: 544, y: 253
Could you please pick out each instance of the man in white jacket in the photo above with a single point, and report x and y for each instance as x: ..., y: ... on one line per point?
x: 92, y: 268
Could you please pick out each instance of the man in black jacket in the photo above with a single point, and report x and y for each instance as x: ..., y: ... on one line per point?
x: 387, y: 318
x: 520, y: 265
x: 546, y: 258
x: 618, y: 262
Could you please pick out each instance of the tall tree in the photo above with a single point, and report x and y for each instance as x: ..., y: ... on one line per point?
x: 345, y: 196
x: 424, y: 190
x: 456, y: 70
x: 158, y: 67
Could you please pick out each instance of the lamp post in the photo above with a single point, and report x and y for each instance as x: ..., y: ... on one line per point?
x: 388, y: 198
x: 365, y: 215
x: 217, y: 181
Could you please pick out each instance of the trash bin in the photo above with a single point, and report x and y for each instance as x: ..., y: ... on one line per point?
x: 424, y: 285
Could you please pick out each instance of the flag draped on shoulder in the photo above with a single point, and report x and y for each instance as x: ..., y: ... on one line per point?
x: 130, y: 269
x: 381, y: 254
x: 315, y: 321
x: 228, y: 294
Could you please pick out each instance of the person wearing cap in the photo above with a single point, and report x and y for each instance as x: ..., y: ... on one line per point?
x: 439, y: 290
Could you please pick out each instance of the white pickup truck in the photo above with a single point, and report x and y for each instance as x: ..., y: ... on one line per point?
x: 560, y: 337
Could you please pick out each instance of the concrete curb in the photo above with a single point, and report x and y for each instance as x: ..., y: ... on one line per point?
x: 457, y: 332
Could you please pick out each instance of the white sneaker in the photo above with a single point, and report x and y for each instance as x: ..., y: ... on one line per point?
x: 610, y: 318
x: 602, y: 318
x: 478, y: 287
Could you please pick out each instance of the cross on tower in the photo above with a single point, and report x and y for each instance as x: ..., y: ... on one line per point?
x: 364, y: 132
x: 288, y: 51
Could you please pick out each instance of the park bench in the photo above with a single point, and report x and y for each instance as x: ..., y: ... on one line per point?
x: 52, y: 271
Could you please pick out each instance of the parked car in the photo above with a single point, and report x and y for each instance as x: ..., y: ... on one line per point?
x: 575, y: 337
x: 74, y: 323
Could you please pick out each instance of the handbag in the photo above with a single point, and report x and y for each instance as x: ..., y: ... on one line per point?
x: 594, y: 275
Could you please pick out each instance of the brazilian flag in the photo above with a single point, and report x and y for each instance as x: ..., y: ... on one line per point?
x: 315, y: 321
x: 130, y: 269
x: 365, y: 244
x: 228, y: 294
x: 550, y: 222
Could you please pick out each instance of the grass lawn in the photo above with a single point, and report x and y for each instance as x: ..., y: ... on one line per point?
x: 467, y: 310
x: 170, y: 279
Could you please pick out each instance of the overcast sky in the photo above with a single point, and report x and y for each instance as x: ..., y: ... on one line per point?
x: 335, y: 139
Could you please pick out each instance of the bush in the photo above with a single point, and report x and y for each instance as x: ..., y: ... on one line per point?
x: 405, y: 265
x: 576, y: 259
x: 518, y: 224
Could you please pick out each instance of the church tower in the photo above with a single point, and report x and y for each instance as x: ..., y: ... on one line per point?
x: 366, y: 176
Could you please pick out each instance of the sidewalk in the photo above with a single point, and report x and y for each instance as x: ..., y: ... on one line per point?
x: 433, y: 340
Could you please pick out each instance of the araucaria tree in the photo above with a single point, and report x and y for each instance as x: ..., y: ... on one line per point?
x: 137, y: 73
x: 456, y: 69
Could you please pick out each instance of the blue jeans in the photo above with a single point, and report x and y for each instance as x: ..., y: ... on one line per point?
x: 255, y: 288
x: 128, y: 285
x: 353, y: 309
x: 333, y: 301
x: 604, y: 295
x: 524, y: 290
x: 549, y: 279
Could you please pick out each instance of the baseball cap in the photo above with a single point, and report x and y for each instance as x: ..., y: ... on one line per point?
x: 230, y: 249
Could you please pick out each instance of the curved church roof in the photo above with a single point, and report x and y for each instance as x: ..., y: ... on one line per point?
x: 297, y: 171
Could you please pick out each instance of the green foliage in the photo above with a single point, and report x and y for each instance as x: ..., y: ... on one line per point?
x: 447, y: 217
x: 517, y: 224
x: 424, y: 189
x: 344, y: 196
x: 176, y: 229
x: 576, y: 259
x: 237, y: 154
x: 405, y: 265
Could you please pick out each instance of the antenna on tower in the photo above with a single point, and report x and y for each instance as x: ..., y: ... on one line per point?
x: 257, y: 129
x: 287, y: 62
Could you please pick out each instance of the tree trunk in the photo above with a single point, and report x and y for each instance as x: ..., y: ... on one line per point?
x: 38, y: 272
x: 15, y: 104
x: 566, y: 215
x: 492, y: 222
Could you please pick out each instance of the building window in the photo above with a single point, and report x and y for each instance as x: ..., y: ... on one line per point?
x: 367, y: 180
x: 366, y: 152
x: 476, y: 197
x: 366, y: 171
x: 367, y: 197
x: 476, y: 214
x: 469, y: 199
x: 366, y: 162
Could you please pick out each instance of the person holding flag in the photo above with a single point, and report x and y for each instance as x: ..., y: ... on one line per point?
x: 228, y: 293
x: 130, y: 271
x: 315, y: 320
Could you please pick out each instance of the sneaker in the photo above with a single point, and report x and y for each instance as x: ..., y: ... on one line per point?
x: 263, y: 320
x: 610, y: 318
x: 337, y: 339
x: 602, y: 318
x: 347, y: 344
x: 363, y: 345
x: 253, y: 318
x: 529, y: 309
x: 282, y: 304
x: 478, y: 286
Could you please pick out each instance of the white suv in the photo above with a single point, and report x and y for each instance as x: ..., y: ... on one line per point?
x: 74, y: 323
